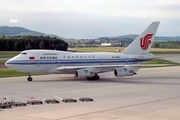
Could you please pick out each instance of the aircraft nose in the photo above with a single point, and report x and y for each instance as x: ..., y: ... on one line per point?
x: 7, y: 63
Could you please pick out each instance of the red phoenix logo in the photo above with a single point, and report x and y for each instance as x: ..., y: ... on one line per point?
x: 145, y: 41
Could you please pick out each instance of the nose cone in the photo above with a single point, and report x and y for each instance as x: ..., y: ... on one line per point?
x: 7, y: 64
x: 13, y: 64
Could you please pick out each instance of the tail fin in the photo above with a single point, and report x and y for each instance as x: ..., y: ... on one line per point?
x: 142, y: 44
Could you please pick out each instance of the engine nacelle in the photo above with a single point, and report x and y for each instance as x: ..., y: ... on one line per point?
x: 83, y: 74
x: 121, y: 72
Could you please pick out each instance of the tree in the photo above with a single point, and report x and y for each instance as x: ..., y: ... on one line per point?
x: 156, y: 45
x: 28, y: 46
x: 41, y: 45
x: 7, y: 45
x: 16, y: 46
x: 21, y: 43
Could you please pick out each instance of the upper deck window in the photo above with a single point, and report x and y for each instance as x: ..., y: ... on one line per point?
x: 23, y: 53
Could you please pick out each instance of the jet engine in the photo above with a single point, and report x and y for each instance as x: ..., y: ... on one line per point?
x: 83, y: 74
x: 121, y: 72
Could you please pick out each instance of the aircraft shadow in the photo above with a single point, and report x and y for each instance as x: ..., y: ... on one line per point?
x: 141, y: 80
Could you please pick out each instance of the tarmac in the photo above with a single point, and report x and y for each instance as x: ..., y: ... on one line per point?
x: 152, y: 94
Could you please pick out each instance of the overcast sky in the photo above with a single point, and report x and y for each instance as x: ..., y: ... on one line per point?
x: 91, y: 18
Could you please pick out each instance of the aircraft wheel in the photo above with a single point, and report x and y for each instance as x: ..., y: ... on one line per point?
x: 29, y: 79
x: 88, y: 78
x: 96, y: 77
x: 91, y: 78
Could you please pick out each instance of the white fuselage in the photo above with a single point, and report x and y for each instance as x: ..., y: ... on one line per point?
x: 47, y: 61
x: 87, y: 64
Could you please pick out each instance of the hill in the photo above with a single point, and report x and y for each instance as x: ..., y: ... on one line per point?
x: 16, y: 31
x: 157, y: 38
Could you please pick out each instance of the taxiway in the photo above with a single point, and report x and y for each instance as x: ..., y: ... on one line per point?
x: 153, y: 94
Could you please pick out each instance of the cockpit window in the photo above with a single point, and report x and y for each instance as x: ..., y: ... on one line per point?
x: 23, y: 53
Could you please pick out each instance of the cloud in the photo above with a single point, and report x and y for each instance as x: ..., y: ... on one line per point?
x: 92, y: 18
x: 13, y: 21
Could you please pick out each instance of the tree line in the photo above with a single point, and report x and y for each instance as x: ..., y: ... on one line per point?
x: 167, y: 44
x: 20, y: 43
x: 123, y: 42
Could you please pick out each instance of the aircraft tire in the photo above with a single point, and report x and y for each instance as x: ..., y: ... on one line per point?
x: 97, y: 77
x: 93, y: 78
x: 29, y: 79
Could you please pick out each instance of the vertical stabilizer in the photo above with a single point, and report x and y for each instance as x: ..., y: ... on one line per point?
x: 142, y: 44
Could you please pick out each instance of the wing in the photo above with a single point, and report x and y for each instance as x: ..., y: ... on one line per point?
x: 102, y: 68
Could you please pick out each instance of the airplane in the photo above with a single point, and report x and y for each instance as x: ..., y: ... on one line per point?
x: 87, y: 64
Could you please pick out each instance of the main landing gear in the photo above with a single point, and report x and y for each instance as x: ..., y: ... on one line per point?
x: 29, y: 78
x: 96, y: 77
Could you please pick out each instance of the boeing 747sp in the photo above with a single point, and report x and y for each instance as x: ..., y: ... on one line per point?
x: 87, y: 64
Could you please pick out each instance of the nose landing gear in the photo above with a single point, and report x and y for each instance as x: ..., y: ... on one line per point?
x: 29, y: 77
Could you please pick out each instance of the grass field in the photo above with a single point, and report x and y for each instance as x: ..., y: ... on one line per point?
x: 99, y: 49
x: 114, y: 49
x: 11, y: 73
x: 161, y: 61
x: 2, y: 61
x: 10, y: 54
x: 165, y: 51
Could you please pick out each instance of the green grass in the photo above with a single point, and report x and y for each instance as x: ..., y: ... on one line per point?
x: 114, y: 49
x: 11, y: 73
x: 165, y: 51
x: 2, y: 61
x: 98, y: 49
x: 160, y: 63
x: 8, y: 54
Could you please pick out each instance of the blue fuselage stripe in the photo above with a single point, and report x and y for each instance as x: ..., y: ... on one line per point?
x: 65, y: 62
